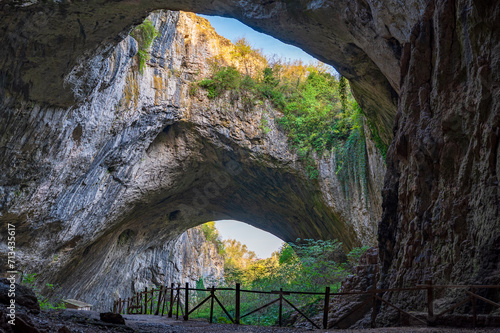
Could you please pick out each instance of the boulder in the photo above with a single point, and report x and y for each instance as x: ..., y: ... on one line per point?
x: 113, y: 318
x: 24, y: 296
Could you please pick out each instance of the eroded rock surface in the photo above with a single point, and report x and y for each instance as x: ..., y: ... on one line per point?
x: 441, y: 58
x: 45, y: 43
x: 100, y: 191
x: 441, y: 196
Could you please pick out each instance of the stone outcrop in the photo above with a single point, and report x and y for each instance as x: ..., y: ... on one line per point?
x: 46, y: 43
x: 439, y: 57
x: 189, y: 258
x: 24, y: 296
x: 100, y: 191
x: 441, y: 205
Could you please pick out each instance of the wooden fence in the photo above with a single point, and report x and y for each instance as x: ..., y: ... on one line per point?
x: 142, y: 302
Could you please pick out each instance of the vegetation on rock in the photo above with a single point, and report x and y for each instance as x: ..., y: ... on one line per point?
x: 318, y: 111
x: 145, y: 34
x: 212, y: 235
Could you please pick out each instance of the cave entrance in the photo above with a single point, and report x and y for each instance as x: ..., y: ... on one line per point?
x: 202, y: 160
x: 258, y: 241
x: 205, y: 252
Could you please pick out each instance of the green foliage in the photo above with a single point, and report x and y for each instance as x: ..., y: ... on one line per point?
x: 351, y: 156
x: 319, y: 113
x: 200, y: 284
x: 237, y: 262
x: 145, y: 34
x: 212, y: 235
x: 314, y: 265
x: 227, y: 78
x: 242, y: 51
x: 29, y: 280
x: 355, y: 254
x: 379, y: 143
x: 343, y: 92
x: 264, y: 125
x: 304, y: 265
x: 193, y: 89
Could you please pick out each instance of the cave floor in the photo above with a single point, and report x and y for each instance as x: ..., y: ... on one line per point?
x: 88, y: 322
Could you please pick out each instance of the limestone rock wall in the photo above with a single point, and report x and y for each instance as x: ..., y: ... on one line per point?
x: 189, y: 258
x: 441, y: 205
x: 362, y: 39
x: 99, y: 191
x: 436, y: 60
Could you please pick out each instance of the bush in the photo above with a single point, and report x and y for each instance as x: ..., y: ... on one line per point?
x: 227, y: 78
x: 144, y: 33
x: 29, y: 280
x: 212, y: 235
x: 318, y: 112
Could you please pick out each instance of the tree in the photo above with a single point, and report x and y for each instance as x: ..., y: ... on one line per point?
x: 242, y: 52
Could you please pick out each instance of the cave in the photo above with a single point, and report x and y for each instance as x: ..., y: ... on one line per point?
x: 426, y: 75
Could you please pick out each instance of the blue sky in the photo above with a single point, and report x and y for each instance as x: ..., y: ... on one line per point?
x: 233, y: 29
x: 259, y: 241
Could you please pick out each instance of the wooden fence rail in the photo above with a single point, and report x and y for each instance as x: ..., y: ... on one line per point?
x: 167, y: 297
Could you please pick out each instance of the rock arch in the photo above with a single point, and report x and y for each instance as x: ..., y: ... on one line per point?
x: 150, y: 160
x: 440, y: 57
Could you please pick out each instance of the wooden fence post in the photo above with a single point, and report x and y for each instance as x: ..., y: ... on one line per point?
x: 165, y: 290
x: 474, y: 310
x: 186, y: 300
x: 138, y: 298
x: 212, y: 296
x: 430, y: 303
x: 146, y: 300
x: 281, y: 308
x: 237, y: 305
x: 374, y: 299
x: 326, y: 308
x: 171, y: 300
x: 159, y: 301
x: 152, y: 296
x: 178, y: 298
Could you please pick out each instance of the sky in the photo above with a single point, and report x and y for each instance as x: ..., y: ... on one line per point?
x: 256, y: 240
x: 233, y: 29
x: 259, y: 241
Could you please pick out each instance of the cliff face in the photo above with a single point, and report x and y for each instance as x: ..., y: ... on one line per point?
x: 45, y: 44
x: 189, y: 258
x: 99, y: 191
x: 436, y: 60
x: 441, y: 195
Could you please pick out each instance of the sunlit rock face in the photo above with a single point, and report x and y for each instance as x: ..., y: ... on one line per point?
x: 438, y: 61
x: 190, y: 258
x: 100, y: 191
x: 362, y: 39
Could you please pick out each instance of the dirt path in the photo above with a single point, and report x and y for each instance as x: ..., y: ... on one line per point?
x: 89, y: 322
x: 163, y: 324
